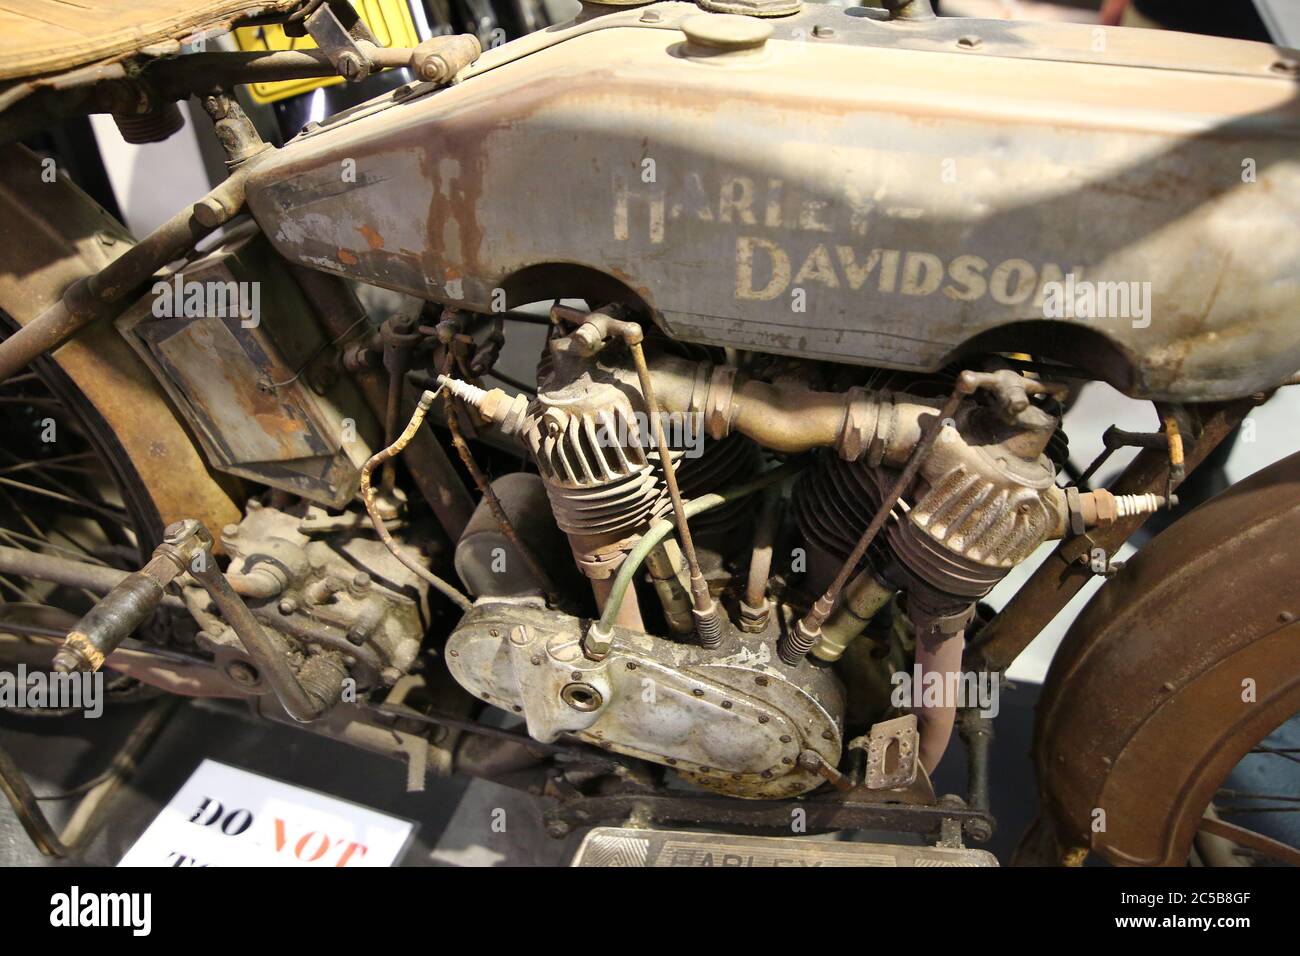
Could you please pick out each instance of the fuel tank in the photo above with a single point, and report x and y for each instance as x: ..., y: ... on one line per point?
x: 837, y: 185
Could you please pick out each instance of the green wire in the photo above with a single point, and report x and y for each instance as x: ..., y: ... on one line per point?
x: 664, y: 527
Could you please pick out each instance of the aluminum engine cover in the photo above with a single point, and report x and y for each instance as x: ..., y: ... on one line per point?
x: 733, y: 720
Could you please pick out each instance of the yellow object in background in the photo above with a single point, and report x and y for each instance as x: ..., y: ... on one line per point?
x: 389, y: 20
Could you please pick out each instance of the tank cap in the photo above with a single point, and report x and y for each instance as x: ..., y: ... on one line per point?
x: 724, y: 34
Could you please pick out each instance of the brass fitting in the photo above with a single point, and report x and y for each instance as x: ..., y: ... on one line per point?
x: 863, y: 597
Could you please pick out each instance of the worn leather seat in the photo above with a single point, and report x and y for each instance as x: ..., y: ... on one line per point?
x: 40, y: 37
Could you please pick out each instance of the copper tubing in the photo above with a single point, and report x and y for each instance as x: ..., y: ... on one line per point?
x: 942, y: 657
x: 662, y: 528
x: 755, y: 608
x: 628, y: 613
x: 368, y: 498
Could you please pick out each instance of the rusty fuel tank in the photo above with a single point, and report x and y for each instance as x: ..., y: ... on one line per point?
x: 839, y: 186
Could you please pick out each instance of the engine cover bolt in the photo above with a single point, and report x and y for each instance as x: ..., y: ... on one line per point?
x: 242, y: 673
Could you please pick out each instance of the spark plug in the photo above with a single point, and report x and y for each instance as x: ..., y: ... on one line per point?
x: 1100, y: 508
x: 507, y: 412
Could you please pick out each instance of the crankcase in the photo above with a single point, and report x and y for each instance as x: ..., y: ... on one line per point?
x: 734, y: 720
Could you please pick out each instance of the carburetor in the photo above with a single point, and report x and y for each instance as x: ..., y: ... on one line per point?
x: 339, y: 595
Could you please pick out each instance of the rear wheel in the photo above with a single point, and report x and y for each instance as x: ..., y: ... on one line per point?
x: 1262, y: 797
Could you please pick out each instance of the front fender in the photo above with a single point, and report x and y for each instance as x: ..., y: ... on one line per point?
x: 1181, y: 664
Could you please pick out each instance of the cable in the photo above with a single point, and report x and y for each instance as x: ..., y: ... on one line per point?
x: 368, y: 499
x: 316, y: 354
x: 503, y: 521
x: 664, y: 527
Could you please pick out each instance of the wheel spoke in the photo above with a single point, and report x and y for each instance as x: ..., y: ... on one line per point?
x: 1286, y: 753
x: 111, y: 513
x: 1275, y: 849
x: 61, y: 460
x: 81, y: 554
x: 1236, y: 810
x: 22, y: 595
x: 1239, y: 795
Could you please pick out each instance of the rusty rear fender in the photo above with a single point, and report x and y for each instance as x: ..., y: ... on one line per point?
x: 1180, y: 665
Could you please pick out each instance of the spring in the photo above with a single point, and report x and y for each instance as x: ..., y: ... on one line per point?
x: 709, y: 630
x: 794, y: 645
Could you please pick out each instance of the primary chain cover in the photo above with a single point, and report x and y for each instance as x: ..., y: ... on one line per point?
x: 734, y: 721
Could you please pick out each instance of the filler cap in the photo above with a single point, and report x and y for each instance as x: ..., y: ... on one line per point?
x: 725, y: 34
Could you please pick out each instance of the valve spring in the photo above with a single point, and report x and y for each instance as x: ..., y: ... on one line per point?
x: 793, y: 646
x: 709, y: 630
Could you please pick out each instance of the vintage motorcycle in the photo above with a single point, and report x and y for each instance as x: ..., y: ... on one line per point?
x: 816, y: 286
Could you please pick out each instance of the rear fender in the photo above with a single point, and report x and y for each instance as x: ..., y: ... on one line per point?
x: 1180, y: 665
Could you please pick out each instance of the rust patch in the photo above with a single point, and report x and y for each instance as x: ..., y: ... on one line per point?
x: 347, y: 258
x: 372, y: 237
